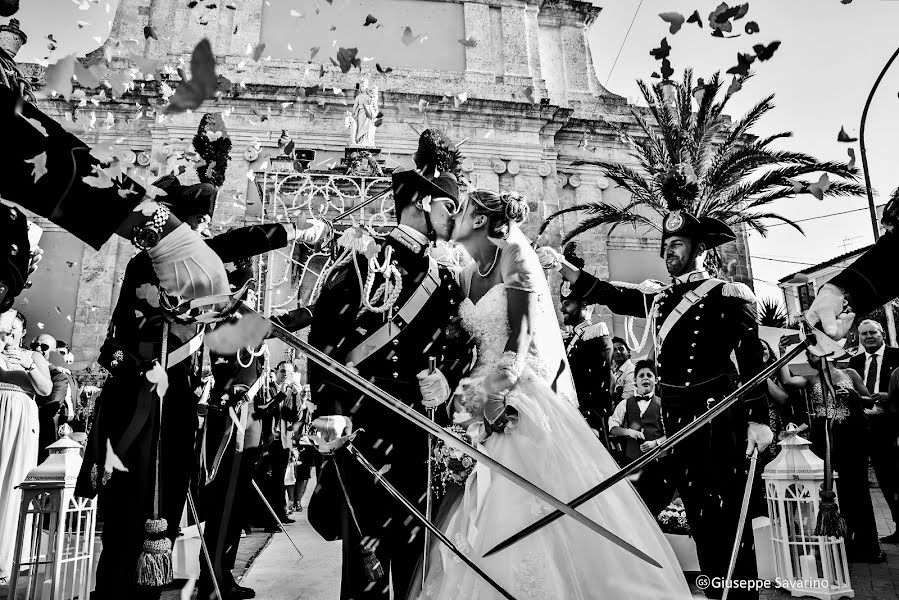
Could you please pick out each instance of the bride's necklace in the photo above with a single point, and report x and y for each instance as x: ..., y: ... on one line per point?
x: 492, y: 265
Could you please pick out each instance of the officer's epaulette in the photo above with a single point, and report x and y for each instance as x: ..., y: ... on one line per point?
x: 734, y: 289
x: 594, y: 331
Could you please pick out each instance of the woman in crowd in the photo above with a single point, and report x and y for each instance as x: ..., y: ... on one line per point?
x: 849, y: 451
x: 778, y: 405
x: 23, y: 374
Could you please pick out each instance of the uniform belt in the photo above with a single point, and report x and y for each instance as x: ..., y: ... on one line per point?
x: 693, y: 386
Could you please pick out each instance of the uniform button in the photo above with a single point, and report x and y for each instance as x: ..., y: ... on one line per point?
x: 693, y: 345
x: 692, y: 357
x: 701, y: 304
x: 396, y: 375
x: 394, y: 358
x: 396, y: 342
x: 697, y: 317
x: 695, y: 333
x: 687, y: 383
x: 689, y: 370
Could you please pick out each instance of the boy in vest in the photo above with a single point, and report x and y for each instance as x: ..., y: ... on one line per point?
x: 638, y: 419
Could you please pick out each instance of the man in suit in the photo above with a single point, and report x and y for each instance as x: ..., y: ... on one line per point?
x: 391, y: 348
x: 875, y: 365
x: 64, y: 393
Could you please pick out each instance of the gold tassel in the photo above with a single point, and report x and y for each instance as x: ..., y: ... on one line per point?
x: 154, y: 567
x: 373, y: 569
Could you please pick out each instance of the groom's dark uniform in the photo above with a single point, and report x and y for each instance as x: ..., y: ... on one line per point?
x: 391, y: 359
x: 695, y: 371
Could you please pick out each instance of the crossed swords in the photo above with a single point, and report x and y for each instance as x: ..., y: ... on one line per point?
x: 251, y: 327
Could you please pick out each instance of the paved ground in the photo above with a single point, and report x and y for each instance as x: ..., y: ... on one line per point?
x: 269, y: 564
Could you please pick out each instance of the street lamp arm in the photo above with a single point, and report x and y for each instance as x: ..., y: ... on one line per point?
x: 861, y: 141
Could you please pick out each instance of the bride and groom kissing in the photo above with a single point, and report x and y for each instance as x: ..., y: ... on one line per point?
x: 491, y: 327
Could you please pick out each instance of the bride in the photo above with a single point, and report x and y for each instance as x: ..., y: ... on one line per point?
x: 521, y: 385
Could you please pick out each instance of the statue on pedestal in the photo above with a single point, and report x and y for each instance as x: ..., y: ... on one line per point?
x: 361, y: 120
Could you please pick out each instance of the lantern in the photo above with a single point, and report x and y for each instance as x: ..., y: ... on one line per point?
x: 55, y: 538
x: 806, y: 564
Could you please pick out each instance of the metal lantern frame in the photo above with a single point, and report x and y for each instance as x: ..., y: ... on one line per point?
x: 55, y: 537
x: 806, y: 564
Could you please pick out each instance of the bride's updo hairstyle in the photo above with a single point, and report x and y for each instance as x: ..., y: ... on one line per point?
x: 501, y: 209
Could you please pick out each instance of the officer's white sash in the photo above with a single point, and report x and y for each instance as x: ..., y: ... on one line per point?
x: 401, y: 318
x: 686, y: 303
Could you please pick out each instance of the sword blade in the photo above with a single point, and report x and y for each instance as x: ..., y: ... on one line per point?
x: 275, y: 517
x: 223, y: 342
x: 744, y: 510
x: 655, y: 452
x: 429, y: 526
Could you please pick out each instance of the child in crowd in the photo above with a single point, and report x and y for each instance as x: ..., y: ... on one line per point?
x: 638, y: 419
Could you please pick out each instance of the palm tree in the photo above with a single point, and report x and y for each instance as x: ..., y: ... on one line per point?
x: 738, y: 175
x: 773, y: 313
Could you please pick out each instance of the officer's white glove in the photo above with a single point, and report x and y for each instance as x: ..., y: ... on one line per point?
x: 332, y: 427
x: 828, y: 308
x: 435, y: 389
x: 310, y: 232
x: 550, y: 258
x: 758, y: 436
x: 187, y: 267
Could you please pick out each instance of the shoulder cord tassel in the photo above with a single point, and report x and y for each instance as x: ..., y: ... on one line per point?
x: 154, y: 566
x: 830, y: 522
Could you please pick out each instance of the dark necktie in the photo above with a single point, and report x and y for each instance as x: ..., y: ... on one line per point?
x: 871, y: 379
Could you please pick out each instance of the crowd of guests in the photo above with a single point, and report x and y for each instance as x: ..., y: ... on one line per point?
x: 36, y: 397
x: 864, y: 424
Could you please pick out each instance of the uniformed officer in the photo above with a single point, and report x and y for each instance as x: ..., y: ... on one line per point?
x: 390, y: 347
x: 589, y: 350
x: 698, y: 322
x: 127, y: 417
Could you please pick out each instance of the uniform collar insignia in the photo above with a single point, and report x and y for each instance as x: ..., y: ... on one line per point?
x: 698, y: 275
x: 411, y: 239
x: 581, y: 326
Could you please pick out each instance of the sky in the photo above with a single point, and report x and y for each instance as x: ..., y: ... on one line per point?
x: 829, y: 57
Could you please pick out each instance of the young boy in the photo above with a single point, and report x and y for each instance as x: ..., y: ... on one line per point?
x: 639, y: 420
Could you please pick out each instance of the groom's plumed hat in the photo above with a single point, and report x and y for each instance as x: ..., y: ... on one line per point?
x: 679, y: 189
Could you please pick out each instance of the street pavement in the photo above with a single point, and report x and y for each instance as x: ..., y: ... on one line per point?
x: 279, y: 574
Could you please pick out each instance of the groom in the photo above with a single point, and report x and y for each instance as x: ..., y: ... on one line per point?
x: 390, y: 349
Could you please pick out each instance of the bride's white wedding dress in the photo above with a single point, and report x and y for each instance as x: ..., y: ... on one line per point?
x: 552, y: 446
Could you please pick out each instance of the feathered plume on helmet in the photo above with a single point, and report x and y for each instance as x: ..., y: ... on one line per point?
x: 679, y: 187
x: 437, y: 152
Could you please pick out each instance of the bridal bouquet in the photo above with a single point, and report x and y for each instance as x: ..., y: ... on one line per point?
x: 673, y: 519
x: 451, y: 466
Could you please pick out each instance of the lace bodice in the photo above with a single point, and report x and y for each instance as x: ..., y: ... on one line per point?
x: 488, y: 322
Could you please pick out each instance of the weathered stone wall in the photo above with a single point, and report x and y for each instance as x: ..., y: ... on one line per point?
x: 532, y: 100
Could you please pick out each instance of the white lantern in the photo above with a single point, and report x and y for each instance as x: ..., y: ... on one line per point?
x: 806, y: 564
x: 55, y: 538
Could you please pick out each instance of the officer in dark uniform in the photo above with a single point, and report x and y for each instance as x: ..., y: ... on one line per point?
x: 231, y: 454
x: 709, y: 468
x: 127, y: 412
x: 589, y: 349
x: 391, y: 349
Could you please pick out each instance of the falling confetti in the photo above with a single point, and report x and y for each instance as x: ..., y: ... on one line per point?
x: 39, y: 163
x: 662, y: 51
x: 845, y: 137
x: 675, y: 20
x: 408, y: 38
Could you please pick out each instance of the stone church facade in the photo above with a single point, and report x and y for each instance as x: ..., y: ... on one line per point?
x: 512, y: 78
